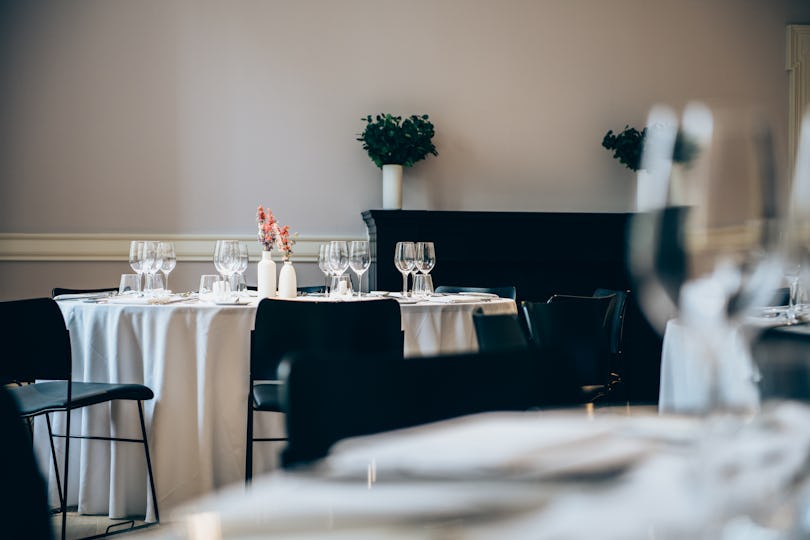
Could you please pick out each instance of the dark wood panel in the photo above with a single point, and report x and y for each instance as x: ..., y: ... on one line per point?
x: 540, y: 253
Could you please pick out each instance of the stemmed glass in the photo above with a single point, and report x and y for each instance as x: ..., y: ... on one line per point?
x: 226, y: 258
x: 425, y: 257
x: 152, y: 262
x: 323, y: 263
x: 136, y: 260
x: 338, y: 257
x: 405, y: 261
x: 359, y: 261
x: 241, y: 266
x: 169, y: 260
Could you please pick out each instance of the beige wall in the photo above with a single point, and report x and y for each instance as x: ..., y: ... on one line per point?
x: 179, y: 117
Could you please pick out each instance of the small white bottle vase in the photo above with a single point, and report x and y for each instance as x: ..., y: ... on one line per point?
x: 287, y: 282
x: 266, y: 276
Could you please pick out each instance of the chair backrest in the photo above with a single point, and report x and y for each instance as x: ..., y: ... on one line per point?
x: 574, y: 329
x: 506, y: 291
x: 56, y: 291
x: 498, y: 332
x: 283, y: 326
x: 36, y: 343
x: 616, y: 317
x: 309, y: 289
x: 332, y: 397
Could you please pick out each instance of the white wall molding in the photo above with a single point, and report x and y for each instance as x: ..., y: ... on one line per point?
x: 115, y: 247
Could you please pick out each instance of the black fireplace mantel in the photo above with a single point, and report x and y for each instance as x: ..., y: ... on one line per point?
x: 540, y: 253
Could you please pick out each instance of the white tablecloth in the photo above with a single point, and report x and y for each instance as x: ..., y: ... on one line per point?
x: 195, y: 357
x: 686, y: 370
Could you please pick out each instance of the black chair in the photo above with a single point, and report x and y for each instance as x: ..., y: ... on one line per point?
x: 24, y: 514
x: 56, y: 291
x: 503, y: 292
x: 283, y: 326
x: 499, y: 332
x: 617, y: 315
x: 312, y: 289
x: 575, y: 329
x: 329, y: 397
x: 306, y: 289
x: 36, y: 346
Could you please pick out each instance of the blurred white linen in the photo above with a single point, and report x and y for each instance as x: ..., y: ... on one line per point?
x: 674, y: 482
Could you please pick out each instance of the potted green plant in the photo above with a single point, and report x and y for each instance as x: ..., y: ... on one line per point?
x: 627, y: 147
x: 393, y: 143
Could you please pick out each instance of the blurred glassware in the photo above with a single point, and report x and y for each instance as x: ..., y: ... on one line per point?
x: 169, y: 260
x: 710, y: 261
x: 405, y: 261
x: 359, y: 261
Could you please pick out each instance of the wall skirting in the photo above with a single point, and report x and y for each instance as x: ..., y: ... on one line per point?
x: 115, y: 247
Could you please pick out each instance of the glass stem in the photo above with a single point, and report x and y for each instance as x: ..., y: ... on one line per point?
x: 405, y: 284
x: 794, y: 289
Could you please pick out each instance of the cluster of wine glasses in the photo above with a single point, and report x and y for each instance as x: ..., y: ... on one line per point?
x: 231, y: 261
x: 337, y: 256
x: 150, y: 258
x: 418, y: 259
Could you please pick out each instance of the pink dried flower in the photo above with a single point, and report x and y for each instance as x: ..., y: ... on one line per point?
x: 268, y: 228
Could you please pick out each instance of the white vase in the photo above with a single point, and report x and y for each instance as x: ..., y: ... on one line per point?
x: 287, y: 283
x: 392, y: 187
x: 266, y: 276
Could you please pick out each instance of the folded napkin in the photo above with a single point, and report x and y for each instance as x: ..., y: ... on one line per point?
x: 83, y: 296
x: 472, y: 448
x: 457, y: 299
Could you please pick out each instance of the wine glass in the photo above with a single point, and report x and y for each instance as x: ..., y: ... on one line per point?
x: 425, y: 257
x: 338, y: 256
x: 240, y: 267
x: 359, y: 261
x: 226, y: 257
x: 323, y: 263
x: 405, y: 261
x: 136, y: 260
x: 152, y: 262
x: 169, y: 260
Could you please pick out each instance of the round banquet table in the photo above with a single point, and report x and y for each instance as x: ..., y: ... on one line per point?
x: 195, y: 357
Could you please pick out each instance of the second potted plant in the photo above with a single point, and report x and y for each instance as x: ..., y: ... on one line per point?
x: 393, y: 143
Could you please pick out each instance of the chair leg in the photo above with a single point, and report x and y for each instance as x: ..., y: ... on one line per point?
x: 62, y: 501
x: 67, y: 472
x: 148, y: 463
x: 249, y: 442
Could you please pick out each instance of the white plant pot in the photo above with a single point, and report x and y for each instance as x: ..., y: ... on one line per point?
x: 392, y: 187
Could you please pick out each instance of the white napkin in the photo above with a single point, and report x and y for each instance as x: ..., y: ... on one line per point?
x: 456, y: 299
x: 83, y: 296
x: 472, y: 448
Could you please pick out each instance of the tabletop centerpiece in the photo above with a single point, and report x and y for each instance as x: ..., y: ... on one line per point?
x: 266, y: 269
x: 393, y: 143
x: 287, y: 281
